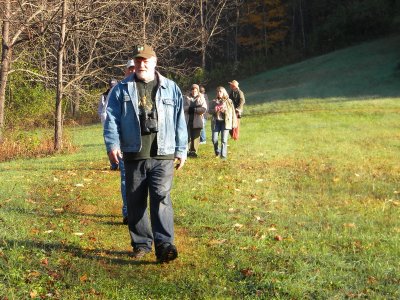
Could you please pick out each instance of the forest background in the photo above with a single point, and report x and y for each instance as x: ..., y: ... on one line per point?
x: 57, y: 56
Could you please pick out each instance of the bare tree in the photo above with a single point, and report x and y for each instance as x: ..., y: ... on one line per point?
x: 58, y: 142
x: 212, y: 13
x: 23, y: 18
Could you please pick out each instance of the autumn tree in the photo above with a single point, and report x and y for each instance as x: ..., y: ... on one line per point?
x: 264, y: 25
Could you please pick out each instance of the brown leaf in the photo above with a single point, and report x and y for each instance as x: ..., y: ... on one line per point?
x: 372, y: 280
x: 216, y: 242
x: 349, y: 225
x: 33, y: 294
x: 247, y: 272
x: 83, y: 278
x: 278, y: 238
x: 35, y: 231
x: 33, y: 274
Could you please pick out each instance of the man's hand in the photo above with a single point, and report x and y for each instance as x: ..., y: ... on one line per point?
x: 114, y: 155
x: 179, y: 162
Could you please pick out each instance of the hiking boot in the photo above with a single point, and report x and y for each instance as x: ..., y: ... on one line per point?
x: 166, y: 252
x: 139, y: 252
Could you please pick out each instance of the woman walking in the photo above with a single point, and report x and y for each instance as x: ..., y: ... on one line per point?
x: 194, y: 106
x: 223, y: 120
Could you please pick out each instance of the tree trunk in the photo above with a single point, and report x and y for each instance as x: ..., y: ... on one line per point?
x: 303, y: 35
x: 6, y: 52
x: 265, y: 29
x: 144, y: 21
x: 58, y: 142
x: 236, y: 33
x: 203, y: 37
x: 75, y: 103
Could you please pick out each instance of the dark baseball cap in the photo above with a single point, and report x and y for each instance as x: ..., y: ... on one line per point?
x: 144, y: 51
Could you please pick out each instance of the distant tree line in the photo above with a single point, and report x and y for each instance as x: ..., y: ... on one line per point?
x: 58, y: 54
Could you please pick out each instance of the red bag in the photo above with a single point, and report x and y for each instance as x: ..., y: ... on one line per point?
x: 235, y: 133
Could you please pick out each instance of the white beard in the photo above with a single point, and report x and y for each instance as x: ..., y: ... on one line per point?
x: 145, y: 76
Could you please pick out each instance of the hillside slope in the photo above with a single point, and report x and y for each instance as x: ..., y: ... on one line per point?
x: 368, y: 70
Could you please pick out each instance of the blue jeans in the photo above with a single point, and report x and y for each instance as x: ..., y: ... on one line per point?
x: 143, y: 178
x: 123, y: 188
x: 203, y: 131
x: 114, y: 166
x: 220, y: 128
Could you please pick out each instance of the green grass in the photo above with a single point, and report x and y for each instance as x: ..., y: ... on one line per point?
x: 305, y: 207
x: 326, y: 181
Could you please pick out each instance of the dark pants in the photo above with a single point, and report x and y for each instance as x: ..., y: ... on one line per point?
x: 143, y: 178
x: 193, y: 139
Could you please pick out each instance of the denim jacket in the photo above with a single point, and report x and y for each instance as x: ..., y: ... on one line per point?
x: 122, y: 127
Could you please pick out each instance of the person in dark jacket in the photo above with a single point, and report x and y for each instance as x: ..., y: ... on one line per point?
x: 237, y: 97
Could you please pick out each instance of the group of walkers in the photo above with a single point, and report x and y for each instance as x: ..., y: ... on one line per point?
x: 225, y: 111
x: 149, y: 129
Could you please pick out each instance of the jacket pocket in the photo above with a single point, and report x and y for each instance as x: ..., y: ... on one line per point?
x: 128, y: 107
x: 167, y: 101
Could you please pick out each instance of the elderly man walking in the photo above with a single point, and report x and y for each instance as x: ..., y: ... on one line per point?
x: 145, y: 121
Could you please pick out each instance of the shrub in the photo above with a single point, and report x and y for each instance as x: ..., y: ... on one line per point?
x: 30, y: 144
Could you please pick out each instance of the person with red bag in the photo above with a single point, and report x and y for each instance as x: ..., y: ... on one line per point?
x: 238, y: 99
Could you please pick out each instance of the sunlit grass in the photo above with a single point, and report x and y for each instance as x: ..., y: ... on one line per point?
x: 306, y: 206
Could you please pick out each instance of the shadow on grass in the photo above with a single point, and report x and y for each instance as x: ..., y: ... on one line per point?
x: 48, y: 214
x: 113, y: 256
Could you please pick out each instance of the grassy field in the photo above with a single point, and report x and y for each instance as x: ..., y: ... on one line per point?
x: 305, y: 207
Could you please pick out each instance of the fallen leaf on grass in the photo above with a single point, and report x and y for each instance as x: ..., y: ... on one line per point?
x: 35, y: 231
x: 237, y: 225
x: 33, y: 274
x: 33, y: 294
x: 258, y: 218
x: 372, y: 280
x: 83, y: 278
x: 79, y: 185
x: 216, y: 242
x: 78, y: 233
x: 259, y: 180
x: 44, y: 261
x: 58, y: 209
x: 49, y: 231
x: 247, y: 272
x: 278, y: 238
x: 349, y: 225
